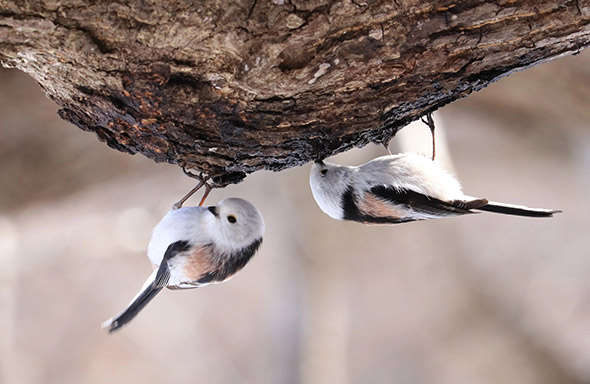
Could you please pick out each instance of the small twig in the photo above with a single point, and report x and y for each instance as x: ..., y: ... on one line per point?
x: 430, y: 122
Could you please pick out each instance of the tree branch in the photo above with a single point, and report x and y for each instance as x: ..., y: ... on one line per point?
x: 230, y: 88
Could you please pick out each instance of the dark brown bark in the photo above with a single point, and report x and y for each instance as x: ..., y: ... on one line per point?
x: 231, y: 87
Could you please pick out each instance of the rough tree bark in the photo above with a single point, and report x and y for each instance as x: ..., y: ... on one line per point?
x: 231, y: 87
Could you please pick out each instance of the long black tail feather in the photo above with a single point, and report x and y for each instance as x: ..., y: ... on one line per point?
x: 133, y: 309
x: 148, y: 292
x: 154, y: 284
x: 518, y: 210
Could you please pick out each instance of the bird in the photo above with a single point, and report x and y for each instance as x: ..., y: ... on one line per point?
x: 196, y: 246
x: 399, y: 188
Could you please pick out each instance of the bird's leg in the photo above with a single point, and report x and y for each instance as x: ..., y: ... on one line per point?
x: 179, y: 203
x: 430, y: 122
x: 208, y: 188
x: 386, y: 145
x: 202, y: 181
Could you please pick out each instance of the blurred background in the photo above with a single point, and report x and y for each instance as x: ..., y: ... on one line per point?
x: 479, y: 299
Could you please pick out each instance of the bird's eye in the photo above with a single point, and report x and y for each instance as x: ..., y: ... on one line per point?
x: 323, y: 172
x: 232, y: 219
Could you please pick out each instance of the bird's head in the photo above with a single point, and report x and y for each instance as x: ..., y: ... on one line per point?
x: 328, y: 183
x: 235, y: 224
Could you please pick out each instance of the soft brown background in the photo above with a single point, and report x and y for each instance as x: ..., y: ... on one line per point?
x: 479, y: 299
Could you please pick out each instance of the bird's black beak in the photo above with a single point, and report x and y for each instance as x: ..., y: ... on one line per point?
x: 213, y: 210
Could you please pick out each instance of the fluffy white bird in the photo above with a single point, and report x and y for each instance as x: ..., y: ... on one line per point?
x: 397, y: 189
x: 195, y: 246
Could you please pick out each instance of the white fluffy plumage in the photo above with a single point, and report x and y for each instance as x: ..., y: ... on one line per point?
x: 196, y: 246
x: 398, y: 188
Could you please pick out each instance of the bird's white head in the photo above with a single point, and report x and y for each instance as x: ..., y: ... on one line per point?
x: 235, y: 224
x: 328, y: 183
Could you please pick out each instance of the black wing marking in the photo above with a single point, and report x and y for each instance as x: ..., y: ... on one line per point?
x: 407, y: 200
x: 421, y: 203
x: 160, y: 281
x: 232, y: 265
x: 352, y: 212
x: 163, y: 274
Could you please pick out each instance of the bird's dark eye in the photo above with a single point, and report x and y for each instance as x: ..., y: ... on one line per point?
x: 324, y: 171
x: 232, y: 219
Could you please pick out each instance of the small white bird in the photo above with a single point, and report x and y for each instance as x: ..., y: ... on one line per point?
x: 195, y: 246
x: 397, y: 189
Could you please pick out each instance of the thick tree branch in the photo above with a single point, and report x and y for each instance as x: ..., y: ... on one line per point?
x: 229, y: 88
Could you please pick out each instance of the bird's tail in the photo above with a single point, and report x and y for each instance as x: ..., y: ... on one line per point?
x: 518, y: 210
x: 146, y: 294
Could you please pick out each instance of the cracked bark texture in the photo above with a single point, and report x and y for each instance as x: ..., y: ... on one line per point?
x: 229, y: 88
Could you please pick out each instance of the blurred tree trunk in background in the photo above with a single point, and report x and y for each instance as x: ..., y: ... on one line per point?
x: 229, y: 88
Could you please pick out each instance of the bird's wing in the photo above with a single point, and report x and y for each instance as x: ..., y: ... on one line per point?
x: 198, y: 262
x: 163, y: 275
x: 408, y: 171
x: 204, y: 266
x: 401, y: 205
x: 154, y: 284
